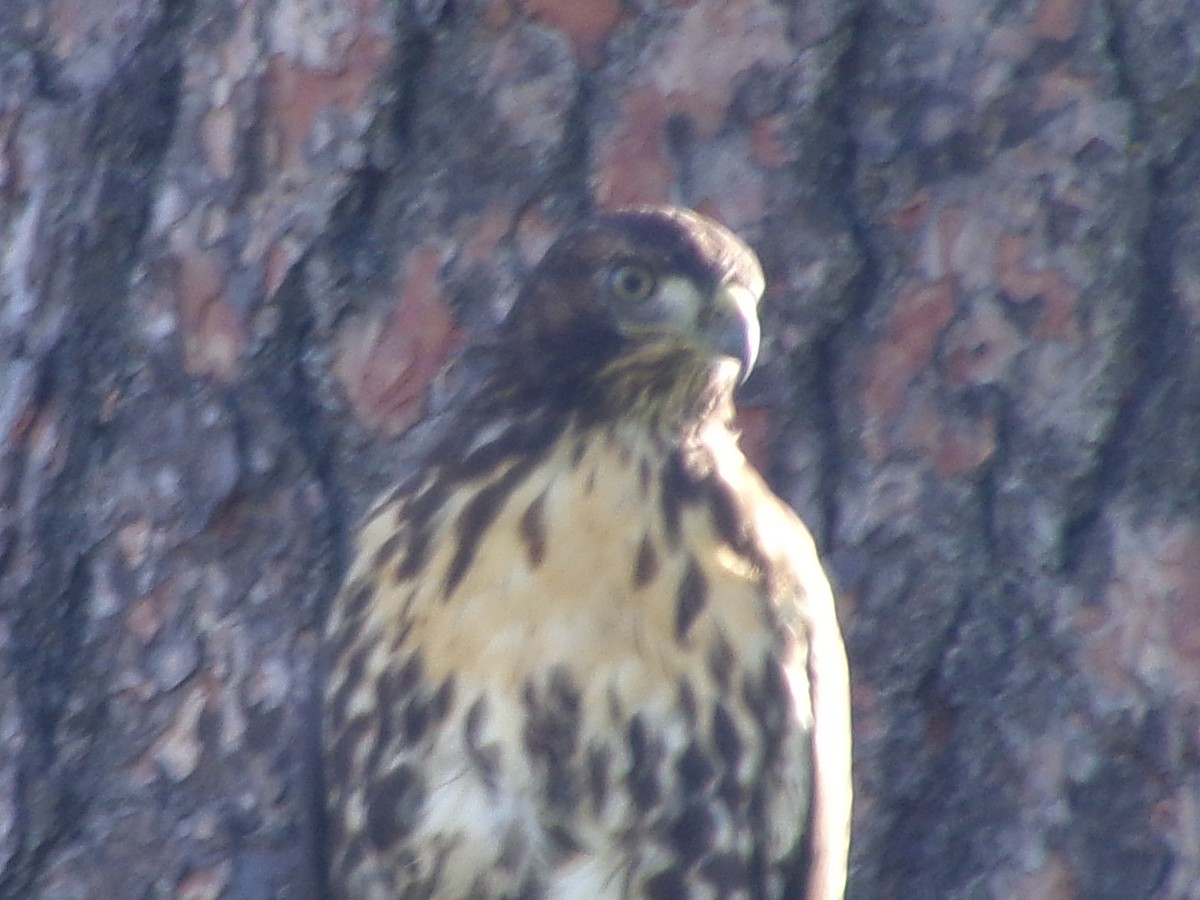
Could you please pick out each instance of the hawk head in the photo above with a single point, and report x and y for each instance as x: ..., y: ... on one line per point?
x: 649, y: 309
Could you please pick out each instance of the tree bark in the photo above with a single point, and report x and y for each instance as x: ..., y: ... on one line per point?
x: 241, y: 239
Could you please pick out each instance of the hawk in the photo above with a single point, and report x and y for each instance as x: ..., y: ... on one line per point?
x: 585, y: 652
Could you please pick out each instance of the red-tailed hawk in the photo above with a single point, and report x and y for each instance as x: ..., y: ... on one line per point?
x: 585, y: 652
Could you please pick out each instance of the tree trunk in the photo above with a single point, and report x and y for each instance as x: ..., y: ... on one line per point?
x: 241, y: 238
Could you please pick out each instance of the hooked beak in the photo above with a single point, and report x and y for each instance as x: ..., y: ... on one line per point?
x: 732, y: 328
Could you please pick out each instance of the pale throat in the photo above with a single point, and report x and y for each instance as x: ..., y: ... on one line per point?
x: 672, y: 389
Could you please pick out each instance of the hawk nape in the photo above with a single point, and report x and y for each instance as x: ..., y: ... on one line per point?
x: 585, y: 652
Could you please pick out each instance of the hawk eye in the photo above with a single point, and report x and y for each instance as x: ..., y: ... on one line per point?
x: 631, y: 283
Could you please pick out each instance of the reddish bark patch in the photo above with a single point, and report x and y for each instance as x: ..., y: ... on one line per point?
x: 1056, y: 20
x: 980, y: 348
x: 218, y: 135
x: 587, y: 26
x: 204, y: 883
x: 963, y: 447
x: 298, y: 94
x: 384, y: 364
x: 911, y: 217
x: 634, y: 165
x: 1060, y: 88
x: 920, y: 315
x: 768, y: 142
x: 145, y: 618
x: 1055, y: 880
x: 214, y: 333
x: 498, y: 14
x: 1151, y: 634
x: 483, y: 233
x: 699, y: 65
x: 1058, y: 297
x: 1181, y: 609
x: 754, y: 424
x: 956, y: 446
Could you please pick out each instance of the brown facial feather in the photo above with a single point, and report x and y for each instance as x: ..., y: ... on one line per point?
x: 566, y: 328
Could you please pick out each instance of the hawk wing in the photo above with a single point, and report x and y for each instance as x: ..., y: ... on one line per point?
x: 817, y: 675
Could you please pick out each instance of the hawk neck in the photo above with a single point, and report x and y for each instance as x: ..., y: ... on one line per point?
x: 669, y: 392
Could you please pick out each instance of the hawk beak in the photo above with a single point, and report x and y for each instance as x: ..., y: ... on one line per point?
x: 733, y: 328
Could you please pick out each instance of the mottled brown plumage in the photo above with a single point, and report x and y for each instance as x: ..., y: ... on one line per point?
x: 585, y: 652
